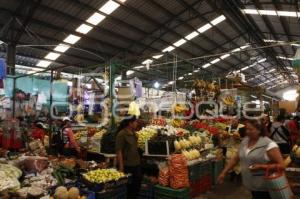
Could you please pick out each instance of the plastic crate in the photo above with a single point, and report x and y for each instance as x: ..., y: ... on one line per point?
x: 169, y: 193
x: 200, y: 186
x: 217, y: 167
x: 198, y: 170
x: 146, y: 191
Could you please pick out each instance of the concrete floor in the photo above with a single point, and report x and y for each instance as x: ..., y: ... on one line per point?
x: 229, y: 190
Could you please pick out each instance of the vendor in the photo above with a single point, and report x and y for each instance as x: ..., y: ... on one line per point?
x: 128, y: 157
x: 71, y: 147
x: 38, y: 131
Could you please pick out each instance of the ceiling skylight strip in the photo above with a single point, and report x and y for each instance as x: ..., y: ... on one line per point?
x: 108, y: 8
x: 271, y: 12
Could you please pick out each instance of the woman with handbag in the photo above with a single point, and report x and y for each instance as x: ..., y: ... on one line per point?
x: 256, y: 154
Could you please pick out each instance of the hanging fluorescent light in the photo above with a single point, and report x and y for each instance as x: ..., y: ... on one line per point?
x: 267, y: 12
x: 225, y: 56
x: 43, y: 63
x: 180, y: 42
x: 206, y: 65
x: 204, y: 28
x: 72, y: 39
x: 84, y: 29
x: 285, y: 58
x: 272, y: 70
x: 236, y: 50
x: 271, y: 12
x: 147, y: 61
x: 52, y: 56
x: 218, y: 20
x: 118, y: 78
x: 171, y: 82
x: 156, y: 85
x: 192, y: 35
x: 196, y: 71
x: 138, y: 67
x: 129, y: 72
x: 96, y: 18
x: 262, y: 60
x: 61, y: 48
x: 245, y: 68
x: 181, y: 78
x: 215, y: 61
x: 190, y: 73
x: 253, y: 96
x: 157, y: 56
x: 168, y: 49
x: 109, y: 7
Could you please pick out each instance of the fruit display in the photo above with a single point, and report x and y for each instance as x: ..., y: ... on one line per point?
x: 179, y: 108
x: 204, y: 88
x: 63, y: 193
x: 61, y: 173
x: 99, y: 133
x: 192, y: 140
x: 178, y: 123
x: 79, y: 134
x: 229, y: 100
x: 103, y: 175
x: 145, y: 134
x: 159, y: 122
x: 191, y: 154
x: 295, y: 155
x: 9, y: 177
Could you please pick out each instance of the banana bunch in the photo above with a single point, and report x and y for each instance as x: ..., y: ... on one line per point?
x: 177, y: 123
x: 229, y: 100
x: 103, y: 175
x: 79, y: 118
x: 200, y: 84
x: 80, y: 134
x: 99, y: 134
x: 144, y: 135
x: 179, y: 108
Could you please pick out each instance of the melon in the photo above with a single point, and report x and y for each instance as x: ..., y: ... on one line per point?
x: 61, y: 188
x: 73, y: 193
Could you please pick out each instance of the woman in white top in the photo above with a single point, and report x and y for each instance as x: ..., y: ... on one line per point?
x: 256, y: 153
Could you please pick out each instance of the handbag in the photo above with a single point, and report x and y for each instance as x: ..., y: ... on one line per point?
x: 278, y: 185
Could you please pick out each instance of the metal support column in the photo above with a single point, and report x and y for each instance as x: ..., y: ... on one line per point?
x: 51, y: 120
x: 111, y: 95
x: 11, y: 62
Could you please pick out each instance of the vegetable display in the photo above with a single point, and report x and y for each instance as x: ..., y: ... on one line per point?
x: 103, y: 175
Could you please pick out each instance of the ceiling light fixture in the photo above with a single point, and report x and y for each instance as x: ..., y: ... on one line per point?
x: 225, y: 56
x: 138, y: 67
x: 61, y: 48
x: 218, y: 20
x: 157, y: 56
x: 43, y: 63
x: 147, y: 61
x: 109, y: 7
x: 72, y: 39
x: 180, y: 42
x: 215, y: 61
x: 95, y: 19
x: 168, y: 49
x: 181, y: 78
x: 271, y: 12
x: 84, y: 29
x: 52, y: 56
x: 192, y: 35
x: 129, y: 72
x: 204, y: 28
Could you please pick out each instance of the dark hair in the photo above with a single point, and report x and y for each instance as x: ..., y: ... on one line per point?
x: 258, y: 124
x: 125, y: 122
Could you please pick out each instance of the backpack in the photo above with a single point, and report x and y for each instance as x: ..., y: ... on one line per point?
x: 58, y: 140
x: 285, y: 135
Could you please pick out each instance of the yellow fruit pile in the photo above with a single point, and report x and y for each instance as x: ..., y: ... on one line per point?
x: 144, y: 135
x: 177, y: 123
x: 191, y: 154
x: 229, y: 100
x: 103, y: 175
x: 80, y: 134
x: 193, y: 140
x: 179, y: 108
x: 99, y: 134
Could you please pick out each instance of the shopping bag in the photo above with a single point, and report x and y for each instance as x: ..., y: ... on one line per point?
x: 278, y: 185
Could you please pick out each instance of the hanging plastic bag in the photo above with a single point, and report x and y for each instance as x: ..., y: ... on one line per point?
x: 179, y: 177
x: 278, y: 185
x: 164, y: 176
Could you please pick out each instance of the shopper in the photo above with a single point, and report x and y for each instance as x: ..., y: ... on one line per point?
x: 281, y: 135
x: 71, y: 147
x: 267, y: 124
x: 292, y: 126
x: 256, y: 153
x: 128, y: 157
x: 39, y: 131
